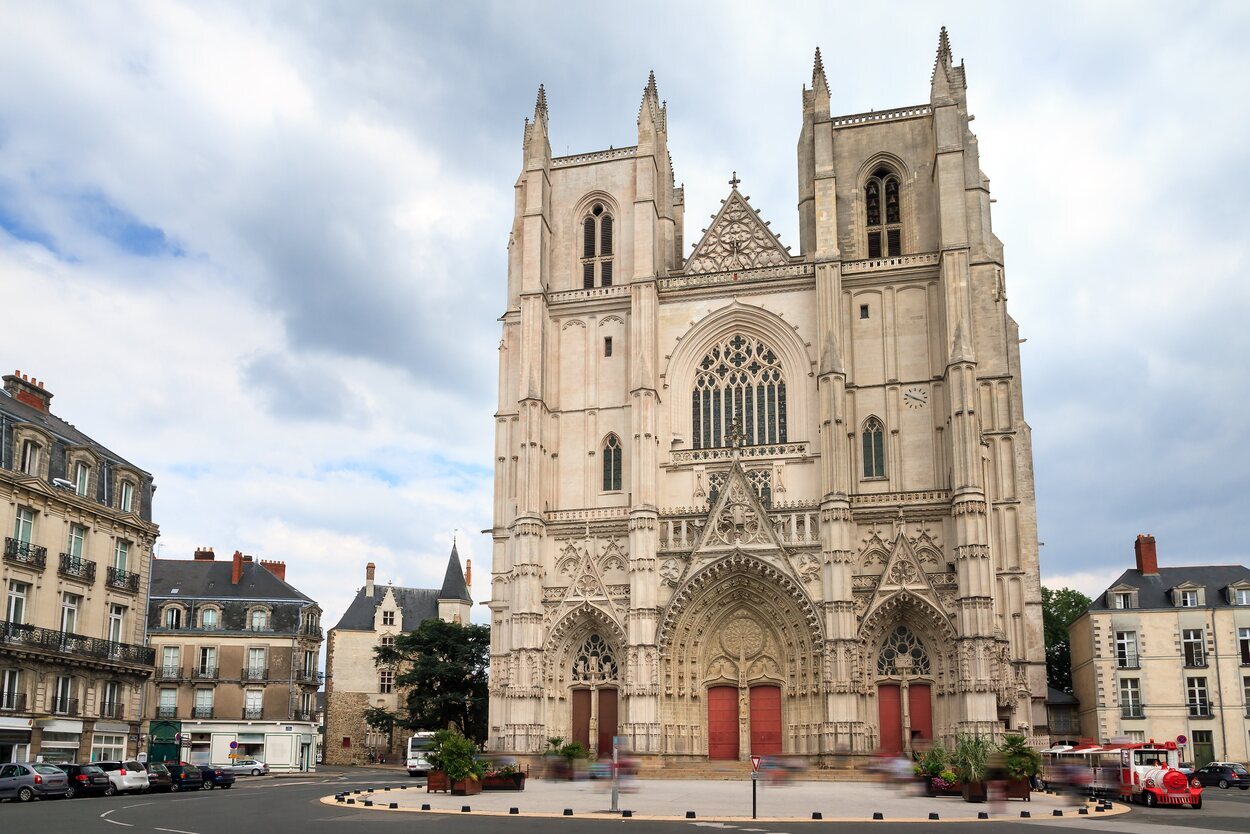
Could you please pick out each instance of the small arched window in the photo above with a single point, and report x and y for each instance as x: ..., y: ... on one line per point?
x: 874, y: 448
x: 612, y: 464
x: 597, y: 247
x: 259, y: 620
x: 883, y: 214
x: 208, y: 619
x: 738, y: 388
x: 173, y: 617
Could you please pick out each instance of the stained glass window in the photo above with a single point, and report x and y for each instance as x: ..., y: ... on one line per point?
x: 739, y: 380
x: 874, y: 448
x: 595, y: 661
x: 902, y: 644
x: 611, y: 464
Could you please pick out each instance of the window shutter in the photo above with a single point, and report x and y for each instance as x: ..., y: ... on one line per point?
x: 874, y: 244
x: 894, y: 241
x: 605, y: 235
x: 588, y: 237
x: 605, y: 273
x: 588, y: 275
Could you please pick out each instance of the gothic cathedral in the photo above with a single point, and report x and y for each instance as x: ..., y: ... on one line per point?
x: 748, y: 501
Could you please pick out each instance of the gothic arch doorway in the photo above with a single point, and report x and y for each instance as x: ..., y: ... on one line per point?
x: 593, y: 698
x: 904, y: 692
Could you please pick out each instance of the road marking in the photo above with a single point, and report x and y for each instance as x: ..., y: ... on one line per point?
x: 106, y: 813
x: 175, y: 830
x: 115, y: 822
x: 128, y: 807
x: 716, y: 825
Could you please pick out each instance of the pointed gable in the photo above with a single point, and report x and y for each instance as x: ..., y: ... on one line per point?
x: 737, y: 239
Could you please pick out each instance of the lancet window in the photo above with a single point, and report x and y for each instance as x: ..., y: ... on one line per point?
x: 883, y: 214
x: 873, y: 438
x: 612, y: 464
x: 595, y: 661
x: 902, y: 651
x: 739, y: 390
x: 597, y: 247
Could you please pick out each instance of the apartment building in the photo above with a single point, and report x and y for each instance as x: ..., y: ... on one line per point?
x: 237, y: 661
x: 73, y: 664
x: 1164, y: 654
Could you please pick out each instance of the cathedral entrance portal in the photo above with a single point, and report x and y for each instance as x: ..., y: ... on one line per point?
x: 904, y: 702
x: 722, y: 722
x: 765, y: 720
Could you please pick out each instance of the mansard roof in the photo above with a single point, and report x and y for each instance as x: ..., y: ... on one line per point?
x: 191, y: 579
x: 737, y: 240
x: 67, y: 433
x: 415, y: 604
x: 1153, y: 589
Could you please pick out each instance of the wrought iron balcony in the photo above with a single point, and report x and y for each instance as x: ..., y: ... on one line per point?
x: 25, y: 554
x: 122, y: 580
x: 64, y: 706
x: 253, y: 673
x: 1132, y: 711
x: 12, y: 701
x: 205, y: 672
x: 169, y: 673
x: 253, y: 712
x: 308, y: 676
x: 202, y: 712
x: 311, y: 631
x: 72, y: 567
x: 112, y: 709
x: 301, y: 716
x: 166, y: 712
x: 76, y: 645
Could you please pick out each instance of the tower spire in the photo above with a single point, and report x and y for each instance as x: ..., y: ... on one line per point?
x: 819, y: 80
x: 650, y: 106
x: 940, y: 82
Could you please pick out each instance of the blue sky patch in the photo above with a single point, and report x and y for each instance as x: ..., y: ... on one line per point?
x: 123, y: 229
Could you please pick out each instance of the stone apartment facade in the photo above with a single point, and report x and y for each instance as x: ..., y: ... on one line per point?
x: 74, y: 577
x: 354, y: 683
x: 237, y: 654
x: 1165, y: 652
x: 753, y: 501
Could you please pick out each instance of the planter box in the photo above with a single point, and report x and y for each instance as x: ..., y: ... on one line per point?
x: 932, y: 789
x: 437, y: 781
x: 1018, y: 789
x: 974, y: 792
x: 466, y: 787
x: 504, y: 782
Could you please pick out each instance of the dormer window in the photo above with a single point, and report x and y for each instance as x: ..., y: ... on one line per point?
x: 173, y: 617
x: 82, y: 479
x: 388, y: 618
x: 208, y: 619
x: 1188, y: 599
x: 1122, y: 599
x: 30, y: 457
x: 597, y: 247
x: 126, y: 497
x: 259, y: 620
x: 1239, y: 596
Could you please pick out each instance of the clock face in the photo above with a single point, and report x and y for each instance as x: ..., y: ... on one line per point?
x: 916, y: 397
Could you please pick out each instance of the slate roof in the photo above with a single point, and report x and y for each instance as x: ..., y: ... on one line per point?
x: 416, y: 605
x: 1152, y: 589
x: 206, y: 579
x: 454, y: 586
x: 1058, y: 697
x: 58, y: 428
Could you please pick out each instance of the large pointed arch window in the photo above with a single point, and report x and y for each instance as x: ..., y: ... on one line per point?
x: 883, y: 214
x: 597, y: 232
x: 612, y: 464
x: 739, y: 386
x: 874, y: 448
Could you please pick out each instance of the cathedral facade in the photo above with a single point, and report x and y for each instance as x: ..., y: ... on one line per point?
x: 750, y: 501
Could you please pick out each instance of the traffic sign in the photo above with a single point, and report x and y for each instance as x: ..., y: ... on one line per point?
x: 755, y: 764
x: 234, y: 745
x: 1182, y: 740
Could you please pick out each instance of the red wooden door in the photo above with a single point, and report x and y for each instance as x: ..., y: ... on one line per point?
x: 581, y: 717
x: 607, y: 722
x: 920, y: 710
x: 890, y: 718
x: 722, y: 722
x: 765, y: 720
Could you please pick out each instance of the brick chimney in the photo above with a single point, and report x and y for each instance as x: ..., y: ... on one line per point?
x: 1147, y: 559
x: 236, y: 572
x: 369, y: 569
x: 29, y: 391
x: 278, y: 569
x: 204, y: 554
x: 468, y: 573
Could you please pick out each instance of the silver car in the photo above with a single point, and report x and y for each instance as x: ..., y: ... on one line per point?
x: 248, y: 767
x: 24, y: 781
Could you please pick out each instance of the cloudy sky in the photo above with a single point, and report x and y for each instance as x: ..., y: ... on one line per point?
x: 259, y: 248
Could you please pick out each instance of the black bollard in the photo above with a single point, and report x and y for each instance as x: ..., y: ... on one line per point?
x: 982, y: 815
x: 690, y: 815
x: 816, y: 815
x: 368, y: 803
x: 627, y: 814
x: 877, y: 815
x: 393, y: 806
x: 425, y: 807
x: 464, y: 809
x: 1083, y: 811
x: 1056, y: 813
x: 933, y: 815
x: 514, y: 811
x: 1024, y: 815
x: 568, y: 812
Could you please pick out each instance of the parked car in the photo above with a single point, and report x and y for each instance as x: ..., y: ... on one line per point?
x: 1186, y: 768
x: 216, y: 777
x: 85, y: 780
x: 252, y: 767
x: 184, y: 777
x: 1224, y: 775
x: 24, y: 781
x: 158, y: 777
x: 128, y: 776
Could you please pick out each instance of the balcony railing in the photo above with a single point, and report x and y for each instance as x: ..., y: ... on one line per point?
x: 253, y: 712
x: 166, y: 712
x: 72, y: 567
x: 169, y: 673
x: 202, y: 712
x: 311, y: 631
x: 307, y: 676
x: 301, y: 716
x: 111, y: 709
x: 1127, y: 660
x: 12, y: 701
x: 1132, y: 711
x: 205, y: 672
x: 1199, y: 709
x: 253, y: 673
x: 25, y: 554
x: 64, y: 706
x: 77, y: 645
x: 122, y: 580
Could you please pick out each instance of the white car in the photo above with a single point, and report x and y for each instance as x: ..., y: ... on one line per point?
x: 253, y: 767
x: 126, y: 776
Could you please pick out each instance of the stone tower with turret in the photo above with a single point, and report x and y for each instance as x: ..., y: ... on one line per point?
x: 750, y: 501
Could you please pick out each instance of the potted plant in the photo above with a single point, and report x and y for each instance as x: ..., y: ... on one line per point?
x: 506, y: 777
x: 971, y: 762
x: 1020, y: 764
x: 454, y: 765
x: 935, y: 769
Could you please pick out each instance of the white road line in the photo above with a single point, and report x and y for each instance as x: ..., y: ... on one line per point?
x: 175, y: 830
x: 128, y: 807
x: 106, y: 813
x: 115, y: 822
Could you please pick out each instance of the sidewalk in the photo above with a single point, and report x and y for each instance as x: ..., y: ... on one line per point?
x: 723, y: 801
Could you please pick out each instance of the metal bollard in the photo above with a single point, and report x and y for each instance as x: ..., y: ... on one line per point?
x: 877, y: 815
x: 816, y: 815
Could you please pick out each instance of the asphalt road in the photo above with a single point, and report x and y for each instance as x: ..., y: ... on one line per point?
x: 290, y: 806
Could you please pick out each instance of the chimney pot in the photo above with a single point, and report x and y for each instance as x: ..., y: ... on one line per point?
x: 369, y: 571
x: 1147, y: 556
x: 236, y: 570
x: 204, y: 554
x: 28, y: 391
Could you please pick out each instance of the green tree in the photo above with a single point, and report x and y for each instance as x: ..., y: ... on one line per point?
x: 442, y: 668
x: 1059, y: 609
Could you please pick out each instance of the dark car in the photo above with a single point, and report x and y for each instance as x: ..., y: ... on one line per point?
x: 216, y: 777
x: 85, y: 780
x: 1224, y: 775
x: 184, y: 777
x: 158, y: 777
x: 24, y: 781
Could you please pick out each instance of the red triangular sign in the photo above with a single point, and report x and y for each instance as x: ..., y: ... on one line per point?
x: 755, y: 764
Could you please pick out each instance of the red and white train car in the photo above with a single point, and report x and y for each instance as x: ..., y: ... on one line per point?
x: 1145, y: 773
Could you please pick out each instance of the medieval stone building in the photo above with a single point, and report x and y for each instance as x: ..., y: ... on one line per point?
x: 749, y: 501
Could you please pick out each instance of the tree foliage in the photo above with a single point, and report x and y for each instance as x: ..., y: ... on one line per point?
x: 1059, y: 609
